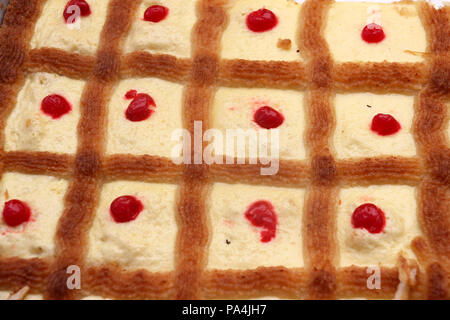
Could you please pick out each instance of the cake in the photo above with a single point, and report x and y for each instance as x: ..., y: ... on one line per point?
x: 98, y: 179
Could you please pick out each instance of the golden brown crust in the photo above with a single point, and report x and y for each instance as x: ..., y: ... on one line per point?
x: 290, y: 173
x: 318, y: 215
x: 276, y: 74
x: 433, y: 191
x: 321, y: 173
x: 110, y: 281
x: 38, y: 163
x: 434, y: 217
x: 60, y: 62
x: 144, y: 64
x: 387, y: 169
x: 380, y: 77
x: 14, y: 36
x: 81, y: 198
x: 142, y: 168
x: 15, y: 273
x: 352, y: 283
x: 263, y: 281
x: 193, y: 232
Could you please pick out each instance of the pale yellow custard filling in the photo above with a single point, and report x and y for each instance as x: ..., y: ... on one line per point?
x: 29, y: 128
x: 44, y: 195
x: 151, y: 136
x: 146, y: 242
x: 353, y: 135
x: 82, y: 37
x: 239, y: 42
x: 405, y: 39
x: 171, y: 35
x: 236, y: 243
x: 360, y: 247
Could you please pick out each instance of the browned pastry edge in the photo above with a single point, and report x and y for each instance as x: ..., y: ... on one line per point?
x: 380, y: 170
x: 16, y: 273
x: 290, y: 173
x: 81, y: 198
x: 38, y: 163
x: 319, y: 210
x: 428, y: 128
x: 380, y: 77
x: 276, y: 74
x: 142, y: 168
x: 321, y: 174
x: 15, y: 34
x: 111, y: 281
x: 193, y: 231
x: 263, y: 281
x: 352, y: 283
x: 144, y: 64
x: 52, y: 60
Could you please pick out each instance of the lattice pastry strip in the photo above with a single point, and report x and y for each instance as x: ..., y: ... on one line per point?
x: 192, y: 71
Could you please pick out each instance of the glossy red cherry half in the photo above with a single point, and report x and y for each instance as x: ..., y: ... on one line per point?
x: 55, y: 106
x: 262, y: 214
x: 368, y: 216
x: 139, y: 109
x: 268, y: 118
x: 125, y: 209
x: 16, y: 212
x: 261, y: 20
x: 373, y: 33
x: 131, y: 94
x: 85, y: 10
x: 156, y: 13
x: 385, y: 124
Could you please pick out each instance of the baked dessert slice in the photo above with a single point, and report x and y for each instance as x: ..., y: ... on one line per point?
x: 99, y: 201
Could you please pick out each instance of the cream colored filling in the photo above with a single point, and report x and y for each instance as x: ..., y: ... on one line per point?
x: 405, y: 36
x: 28, y: 128
x: 146, y: 242
x: 353, y: 136
x: 154, y: 135
x: 234, y: 108
x: 169, y: 36
x: 45, y: 197
x: 361, y: 248
x: 226, y: 213
x: 82, y: 37
x: 239, y: 42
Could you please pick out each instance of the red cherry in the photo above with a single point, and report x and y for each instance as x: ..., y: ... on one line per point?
x: 85, y: 10
x: 373, y: 33
x: 368, y: 216
x: 16, y: 212
x: 385, y: 124
x: 131, y: 94
x: 125, y: 209
x: 268, y: 118
x: 55, y: 106
x: 139, y: 108
x: 262, y: 214
x: 261, y: 20
x: 156, y: 13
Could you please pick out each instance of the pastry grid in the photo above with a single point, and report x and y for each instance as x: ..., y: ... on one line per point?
x: 321, y: 174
